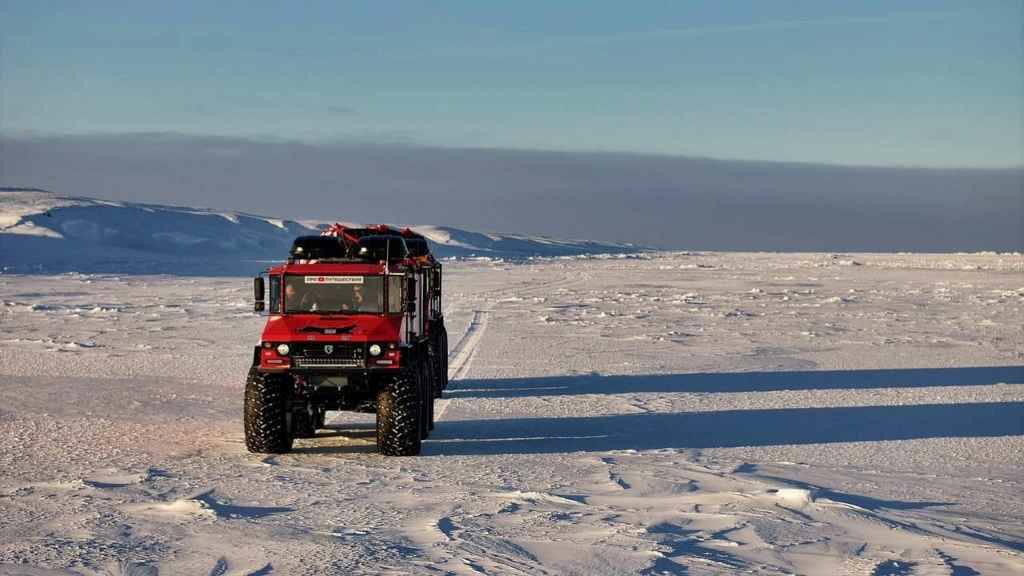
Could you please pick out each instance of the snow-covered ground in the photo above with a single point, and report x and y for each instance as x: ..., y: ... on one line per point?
x: 652, y: 414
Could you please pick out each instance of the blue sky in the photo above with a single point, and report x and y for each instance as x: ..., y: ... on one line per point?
x: 936, y: 84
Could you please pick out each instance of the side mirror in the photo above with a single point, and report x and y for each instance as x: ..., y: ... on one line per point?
x: 259, y: 292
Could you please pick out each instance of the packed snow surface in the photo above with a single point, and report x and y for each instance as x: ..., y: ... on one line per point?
x: 671, y: 413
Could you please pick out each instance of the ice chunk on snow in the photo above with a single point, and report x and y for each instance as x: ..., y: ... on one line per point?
x: 793, y: 496
x: 538, y: 497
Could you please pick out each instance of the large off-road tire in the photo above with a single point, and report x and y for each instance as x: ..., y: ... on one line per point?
x: 399, y: 416
x: 427, y: 376
x: 444, y: 358
x: 419, y: 370
x: 437, y: 359
x: 266, y: 413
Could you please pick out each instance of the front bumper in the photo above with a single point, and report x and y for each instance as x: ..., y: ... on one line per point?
x: 308, y: 356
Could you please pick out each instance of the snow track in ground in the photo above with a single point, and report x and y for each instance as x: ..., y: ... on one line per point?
x: 461, y: 356
x: 462, y: 353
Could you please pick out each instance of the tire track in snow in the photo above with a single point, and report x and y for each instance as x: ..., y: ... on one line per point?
x: 461, y: 356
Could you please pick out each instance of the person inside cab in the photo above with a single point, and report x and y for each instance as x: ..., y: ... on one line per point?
x: 356, y: 300
x: 306, y: 303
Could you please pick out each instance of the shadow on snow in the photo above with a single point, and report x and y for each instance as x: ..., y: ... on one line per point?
x: 727, y: 428
x: 738, y: 382
x: 731, y: 428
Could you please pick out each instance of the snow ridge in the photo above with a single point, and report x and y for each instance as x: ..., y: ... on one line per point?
x: 44, y: 232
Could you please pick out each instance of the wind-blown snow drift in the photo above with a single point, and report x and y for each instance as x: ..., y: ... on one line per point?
x: 44, y: 232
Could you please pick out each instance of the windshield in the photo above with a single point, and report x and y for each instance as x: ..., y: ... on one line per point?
x: 333, y: 294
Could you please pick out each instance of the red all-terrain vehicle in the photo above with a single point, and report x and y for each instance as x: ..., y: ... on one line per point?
x: 354, y: 323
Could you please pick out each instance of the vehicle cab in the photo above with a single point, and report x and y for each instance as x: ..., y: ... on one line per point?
x: 336, y: 316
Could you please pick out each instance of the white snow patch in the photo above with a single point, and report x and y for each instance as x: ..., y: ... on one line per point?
x: 536, y: 497
x: 31, y: 229
x: 184, y: 509
x: 16, y: 205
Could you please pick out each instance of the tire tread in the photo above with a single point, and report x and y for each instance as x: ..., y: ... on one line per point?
x: 266, y: 405
x: 398, y: 417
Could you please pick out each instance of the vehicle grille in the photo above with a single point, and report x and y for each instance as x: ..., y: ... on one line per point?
x: 311, y: 355
x: 328, y: 363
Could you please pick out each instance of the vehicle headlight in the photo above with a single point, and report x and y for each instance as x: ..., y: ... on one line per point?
x: 375, y: 350
x: 283, y: 349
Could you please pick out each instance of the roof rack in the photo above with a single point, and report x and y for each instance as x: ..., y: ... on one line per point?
x: 416, y: 244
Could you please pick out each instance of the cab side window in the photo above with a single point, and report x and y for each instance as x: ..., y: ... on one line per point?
x: 275, y: 295
x: 395, y: 285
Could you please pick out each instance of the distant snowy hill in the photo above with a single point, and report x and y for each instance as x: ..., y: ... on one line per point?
x: 44, y: 232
